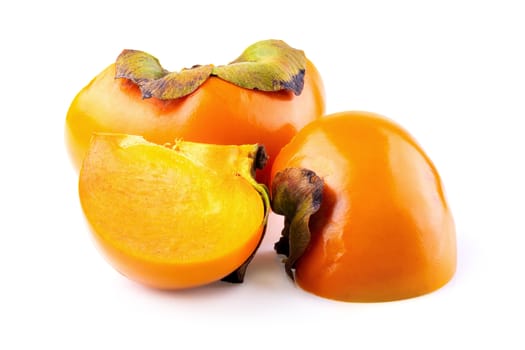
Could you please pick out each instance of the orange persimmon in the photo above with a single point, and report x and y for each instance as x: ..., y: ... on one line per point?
x: 366, y: 218
x: 174, y: 217
x: 265, y: 96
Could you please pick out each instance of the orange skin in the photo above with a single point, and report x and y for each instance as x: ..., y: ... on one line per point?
x: 384, y: 230
x: 217, y: 112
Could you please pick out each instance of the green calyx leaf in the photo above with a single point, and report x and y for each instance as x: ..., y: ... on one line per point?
x: 257, y: 160
x: 268, y: 65
x: 138, y: 67
x: 296, y: 194
x: 153, y: 80
x: 176, y: 84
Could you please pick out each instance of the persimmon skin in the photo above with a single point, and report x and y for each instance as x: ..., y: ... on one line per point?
x: 218, y: 112
x: 384, y: 230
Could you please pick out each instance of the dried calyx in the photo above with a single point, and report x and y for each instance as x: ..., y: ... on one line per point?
x: 296, y: 194
x: 268, y: 65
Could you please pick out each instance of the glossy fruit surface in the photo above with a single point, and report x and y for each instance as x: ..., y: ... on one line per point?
x: 384, y: 230
x: 173, y: 217
x: 216, y: 112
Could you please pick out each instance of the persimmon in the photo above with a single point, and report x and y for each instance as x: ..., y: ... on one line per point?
x: 366, y: 217
x: 265, y: 96
x: 177, y: 216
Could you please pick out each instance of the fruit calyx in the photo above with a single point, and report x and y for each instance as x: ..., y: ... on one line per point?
x: 268, y: 65
x: 296, y: 194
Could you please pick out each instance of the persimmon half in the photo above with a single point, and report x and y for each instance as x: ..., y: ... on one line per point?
x: 265, y: 96
x: 366, y: 217
x: 174, y: 217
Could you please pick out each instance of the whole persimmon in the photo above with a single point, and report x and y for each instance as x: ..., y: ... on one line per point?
x: 366, y: 218
x: 176, y: 216
x: 265, y: 96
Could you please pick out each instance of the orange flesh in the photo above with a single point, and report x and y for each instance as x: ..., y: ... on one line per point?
x: 384, y: 230
x: 163, y: 216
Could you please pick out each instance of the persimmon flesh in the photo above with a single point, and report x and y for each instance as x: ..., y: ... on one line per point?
x: 384, y: 230
x: 172, y: 217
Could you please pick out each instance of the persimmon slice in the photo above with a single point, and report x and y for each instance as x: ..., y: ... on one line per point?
x: 173, y: 216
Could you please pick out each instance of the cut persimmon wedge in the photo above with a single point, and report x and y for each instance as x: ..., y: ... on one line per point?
x: 174, y: 216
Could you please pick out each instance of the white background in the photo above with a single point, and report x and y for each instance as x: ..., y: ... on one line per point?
x: 451, y: 72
